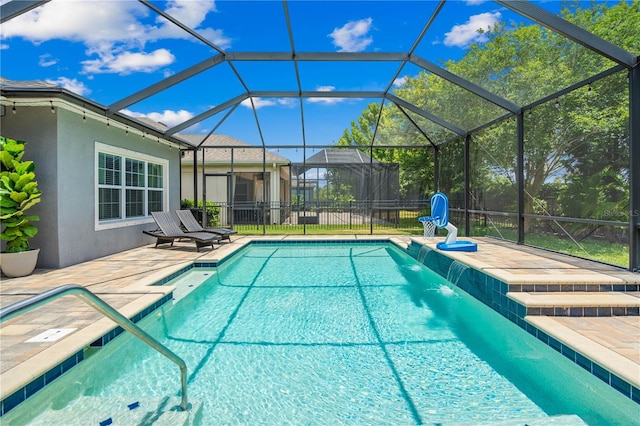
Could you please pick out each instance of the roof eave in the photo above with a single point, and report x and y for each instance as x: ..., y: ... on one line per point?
x: 89, y: 105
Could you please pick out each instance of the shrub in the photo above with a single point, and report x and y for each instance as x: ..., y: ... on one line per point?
x: 18, y: 193
x: 213, y: 211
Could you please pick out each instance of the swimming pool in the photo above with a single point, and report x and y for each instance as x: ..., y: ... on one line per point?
x: 334, y: 334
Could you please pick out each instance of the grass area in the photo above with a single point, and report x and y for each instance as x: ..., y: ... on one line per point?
x: 602, y: 251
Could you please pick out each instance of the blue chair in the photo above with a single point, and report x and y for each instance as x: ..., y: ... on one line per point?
x: 440, y: 217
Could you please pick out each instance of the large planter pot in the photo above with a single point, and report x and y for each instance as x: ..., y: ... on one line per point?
x: 19, y: 264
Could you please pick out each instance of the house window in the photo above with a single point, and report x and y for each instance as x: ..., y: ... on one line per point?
x: 109, y: 182
x: 155, y: 185
x: 130, y: 186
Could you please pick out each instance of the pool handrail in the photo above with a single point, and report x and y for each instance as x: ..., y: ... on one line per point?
x: 107, y: 310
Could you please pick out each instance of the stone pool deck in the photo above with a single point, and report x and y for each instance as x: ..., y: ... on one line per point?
x: 590, y: 307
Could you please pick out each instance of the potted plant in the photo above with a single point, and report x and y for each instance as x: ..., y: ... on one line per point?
x: 19, y: 192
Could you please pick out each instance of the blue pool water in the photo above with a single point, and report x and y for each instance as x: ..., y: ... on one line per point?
x: 342, y: 334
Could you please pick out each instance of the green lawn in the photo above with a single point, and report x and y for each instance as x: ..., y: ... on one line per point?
x: 602, y: 251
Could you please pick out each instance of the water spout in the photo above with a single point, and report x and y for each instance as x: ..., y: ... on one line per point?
x: 422, y: 254
x: 456, y: 269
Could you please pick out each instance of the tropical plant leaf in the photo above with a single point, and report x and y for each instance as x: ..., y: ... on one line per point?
x: 7, y: 183
x: 6, y: 159
x: 7, y: 201
x: 23, y: 180
x: 29, y: 230
x: 13, y: 231
x: 19, y: 192
x: 25, y: 167
x: 7, y: 236
x: 30, y: 187
x: 35, y: 199
x: 7, y: 216
x: 13, y: 221
x: 19, y: 197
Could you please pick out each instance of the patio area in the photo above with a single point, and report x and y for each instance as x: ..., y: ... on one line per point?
x: 548, y: 284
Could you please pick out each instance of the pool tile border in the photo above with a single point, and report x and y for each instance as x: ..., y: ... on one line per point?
x: 319, y: 242
x: 493, y: 293
x: 40, y: 382
x: 136, y: 318
x: 572, y: 287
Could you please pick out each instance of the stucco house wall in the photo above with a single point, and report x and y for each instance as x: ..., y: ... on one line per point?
x: 224, y: 155
x: 63, y: 148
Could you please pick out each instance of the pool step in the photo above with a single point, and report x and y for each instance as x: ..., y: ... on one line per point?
x: 599, y: 304
x: 105, y: 411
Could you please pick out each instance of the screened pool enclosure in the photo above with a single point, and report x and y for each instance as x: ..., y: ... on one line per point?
x: 532, y: 131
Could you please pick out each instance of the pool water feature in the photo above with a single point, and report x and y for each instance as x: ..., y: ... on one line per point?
x: 337, y: 334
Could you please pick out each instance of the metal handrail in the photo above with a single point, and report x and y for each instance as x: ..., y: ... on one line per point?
x: 105, y: 309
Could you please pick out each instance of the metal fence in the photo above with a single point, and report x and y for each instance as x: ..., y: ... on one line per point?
x: 320, y: 217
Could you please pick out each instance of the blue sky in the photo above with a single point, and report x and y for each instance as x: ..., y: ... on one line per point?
x: 107, y: 50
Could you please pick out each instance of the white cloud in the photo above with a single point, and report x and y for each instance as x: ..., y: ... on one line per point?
x: 167, y: 117
x: 47, y: 60
x: 90, y: 22
x: 71, y: 84
x: 4, y: 46
x: 260, y: 102
x: 128, y: 62
x: 400, y: 81
x: 326, y: 101
x: 217, y: 37
x: 474, y: 2
x: 191, y: 13
x: 257, y: 103
x: 352, y: 36
x: 287, y: 102
x: 464, y: 34
x: 113, y: 31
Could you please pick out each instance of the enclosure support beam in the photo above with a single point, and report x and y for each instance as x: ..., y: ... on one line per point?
x: 436, y: 169
x: 520, y: 177
x: 634, y: 168
x: 467, y: 186
x: 371, y: 182
x: 304, y: 187
x: 264, y: 190
x: 232, y: 198
x: 15, y: 8
x: 195, y: 178
x: 204, y: 188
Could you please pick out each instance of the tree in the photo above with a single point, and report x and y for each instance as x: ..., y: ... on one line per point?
x: 576, y: 142
x: 416, y: 165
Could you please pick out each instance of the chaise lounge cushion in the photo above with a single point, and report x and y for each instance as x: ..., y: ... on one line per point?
x: 168, y: 231
x: 191, y: 225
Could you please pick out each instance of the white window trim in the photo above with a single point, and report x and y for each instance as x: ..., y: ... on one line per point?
x: 121, y: 223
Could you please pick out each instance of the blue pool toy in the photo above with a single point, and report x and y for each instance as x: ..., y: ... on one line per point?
x: 440, y: 217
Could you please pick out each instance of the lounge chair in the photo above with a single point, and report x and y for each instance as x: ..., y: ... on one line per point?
x: 191, y: 225
x: 168, y: 231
